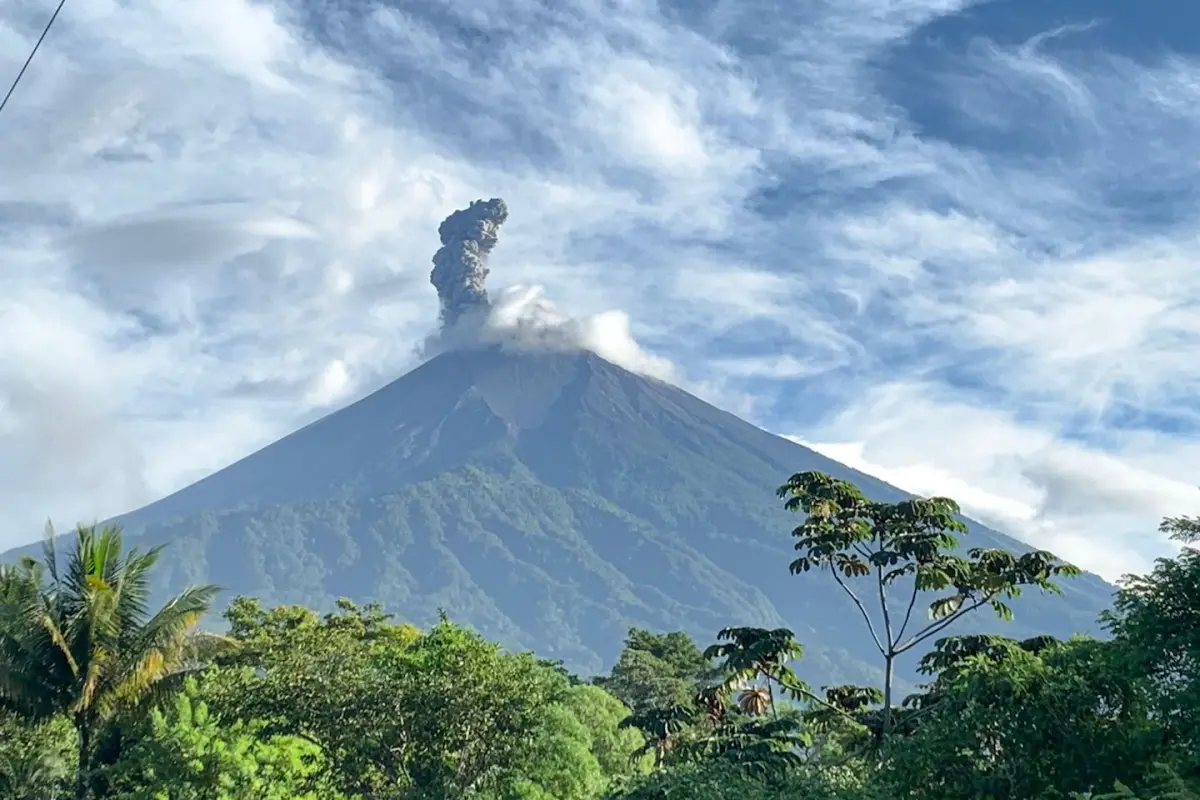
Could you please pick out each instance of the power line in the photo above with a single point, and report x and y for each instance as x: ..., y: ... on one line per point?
x: 32, y: 53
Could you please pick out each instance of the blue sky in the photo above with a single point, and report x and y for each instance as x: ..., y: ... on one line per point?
x: 951, y: 243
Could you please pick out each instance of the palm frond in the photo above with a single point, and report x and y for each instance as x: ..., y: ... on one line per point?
x: 76, y: 635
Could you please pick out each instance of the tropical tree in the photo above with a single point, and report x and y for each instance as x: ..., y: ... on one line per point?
x: 1161, y: 783
x: 36, y: 760
x: 661, y: 727
x: 906, y: 548
x: 657, y: 670
x: 1007, y: 719
x: 185, y: 752
x: 326, y: 678
x: 399, y: 712
x: 728, y: 779
x: 748, y: 654
x: 601, y: 714
x: 78, y: 638
x: 1156, y: 618
x: 560, y: 764
x: 762, y: 746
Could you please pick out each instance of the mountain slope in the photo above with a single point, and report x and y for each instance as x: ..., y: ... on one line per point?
x: 549, y: 500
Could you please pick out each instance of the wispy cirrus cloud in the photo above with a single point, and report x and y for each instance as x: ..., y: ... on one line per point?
x: 949, y: 242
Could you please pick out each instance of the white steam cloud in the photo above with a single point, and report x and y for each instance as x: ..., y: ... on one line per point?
x: 523, y: 318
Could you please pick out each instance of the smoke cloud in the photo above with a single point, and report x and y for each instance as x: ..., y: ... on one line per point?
x: 520, y: 317
x: 460, y: 267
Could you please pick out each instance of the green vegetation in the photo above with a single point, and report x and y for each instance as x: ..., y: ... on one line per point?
x: 103, y: 697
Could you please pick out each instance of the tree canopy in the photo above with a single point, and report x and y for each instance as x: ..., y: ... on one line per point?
x: 105, y: 695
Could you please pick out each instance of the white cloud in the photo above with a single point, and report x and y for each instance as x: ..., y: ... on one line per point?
x: 331, y: 385
x: 655, y: 127
x: 224, y: 223
x: 1079, y: 501
x: 522, y: 318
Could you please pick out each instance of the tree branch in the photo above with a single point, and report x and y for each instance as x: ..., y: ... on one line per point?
x: 925, y: 709
x: 813, y: 697
x: 861, y: 608
x: 883, y: 604
x: 912, y: 602
x: 941, y: 625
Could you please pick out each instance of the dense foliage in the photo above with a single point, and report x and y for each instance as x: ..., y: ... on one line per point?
x: 103, y: 697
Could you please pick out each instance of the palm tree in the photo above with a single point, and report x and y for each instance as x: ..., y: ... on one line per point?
x: 79, y: 639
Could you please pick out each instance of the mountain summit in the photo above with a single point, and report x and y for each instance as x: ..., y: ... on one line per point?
x: 545, y: 496
x: 549, y: 500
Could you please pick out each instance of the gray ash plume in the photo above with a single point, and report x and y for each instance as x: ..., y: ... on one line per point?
x: 460, y: 266
x: 517, y: 318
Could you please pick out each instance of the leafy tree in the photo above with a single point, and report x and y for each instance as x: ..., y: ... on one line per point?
x: 188, y: 753
x: 1162, y: 783
x: 259, y: 630
x: 468, y: 710
x: 36, y: 761
x: 749, y: 654
x: 318, y: 677
x: 1156, y: 617
x: 660, y: 727
x: 601, y: 715
x: 952, y: 653
x: 1003, y: 721
x: 907, y: 547
x: 659, y: 676
x: 720, y: 722
x: 440, y: 714
x: 78, y: 639
x: 722, y: 779
x: 560, y: 764
x: 657, y: 670
x: 764, y: 747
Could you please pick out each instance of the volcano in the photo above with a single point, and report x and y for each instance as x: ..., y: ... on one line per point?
x: 550, y: 501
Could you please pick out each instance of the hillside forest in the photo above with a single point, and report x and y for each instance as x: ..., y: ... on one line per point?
x: 106, y: 694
